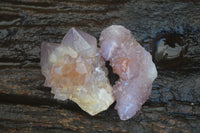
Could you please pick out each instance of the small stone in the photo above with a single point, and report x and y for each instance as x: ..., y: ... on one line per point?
x: 134, y: 66
x: 75, y: 70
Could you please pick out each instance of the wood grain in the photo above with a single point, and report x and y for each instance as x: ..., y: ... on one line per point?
x: 27, y: 106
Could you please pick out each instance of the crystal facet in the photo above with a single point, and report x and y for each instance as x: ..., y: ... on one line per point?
x: 75, y: 70
x: 134, y: 66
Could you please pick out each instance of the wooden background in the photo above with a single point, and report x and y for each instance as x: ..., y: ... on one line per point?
x: 27, y: 106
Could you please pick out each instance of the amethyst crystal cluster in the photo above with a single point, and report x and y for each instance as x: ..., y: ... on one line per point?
x: 134, y: 66
x: 75, y: 70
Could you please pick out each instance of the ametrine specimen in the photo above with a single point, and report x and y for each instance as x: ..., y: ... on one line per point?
x: 134, y: 66
x: 75, y: 70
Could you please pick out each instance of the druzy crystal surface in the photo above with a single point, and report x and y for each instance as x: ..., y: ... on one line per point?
x: 75, y: 70
x: 134, y: 66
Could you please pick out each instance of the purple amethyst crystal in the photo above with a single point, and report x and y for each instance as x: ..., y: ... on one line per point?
x: 75, y: 70
x: 134, y: 66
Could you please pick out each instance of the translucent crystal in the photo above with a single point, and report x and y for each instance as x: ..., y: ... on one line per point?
x: 75, y: 70
x: 134, y: 66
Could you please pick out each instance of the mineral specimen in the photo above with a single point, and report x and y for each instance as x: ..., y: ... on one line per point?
x: 134, y: 66
x: 75, y: 70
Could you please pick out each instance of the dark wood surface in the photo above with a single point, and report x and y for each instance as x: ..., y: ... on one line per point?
x: 27, y: 106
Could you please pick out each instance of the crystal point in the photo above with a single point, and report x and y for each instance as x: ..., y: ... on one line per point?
x: 134, y: 66
x: 81, y: 42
